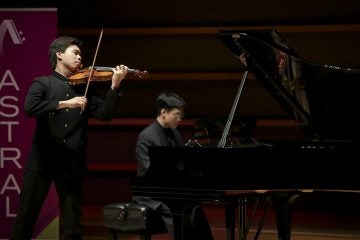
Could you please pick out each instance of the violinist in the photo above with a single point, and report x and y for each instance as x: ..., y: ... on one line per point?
x: 58, y: 147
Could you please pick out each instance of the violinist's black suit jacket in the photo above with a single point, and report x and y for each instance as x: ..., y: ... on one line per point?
x: 61, y: 128
x: 58, y: 151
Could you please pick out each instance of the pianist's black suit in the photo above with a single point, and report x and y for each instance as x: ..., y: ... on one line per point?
x: 196, y: 225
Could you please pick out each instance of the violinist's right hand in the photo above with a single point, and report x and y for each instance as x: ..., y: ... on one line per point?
x: 73, y: 103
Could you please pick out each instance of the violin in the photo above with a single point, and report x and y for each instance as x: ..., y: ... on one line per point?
x: 100, y: 74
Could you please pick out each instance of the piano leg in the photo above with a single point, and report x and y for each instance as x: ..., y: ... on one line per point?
x: 178, y: 219
x: 230, y: 221
x: 283, y: 207
x: 242, y: 218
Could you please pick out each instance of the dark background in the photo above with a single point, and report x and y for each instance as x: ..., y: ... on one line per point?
x: 177, y: 43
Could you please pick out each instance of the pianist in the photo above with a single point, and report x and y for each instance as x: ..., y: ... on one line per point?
x: 163, y: 132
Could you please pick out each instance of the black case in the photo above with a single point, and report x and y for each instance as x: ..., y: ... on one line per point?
x: 127, y: 216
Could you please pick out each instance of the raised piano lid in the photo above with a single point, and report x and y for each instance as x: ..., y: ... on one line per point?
x: 323, y: 99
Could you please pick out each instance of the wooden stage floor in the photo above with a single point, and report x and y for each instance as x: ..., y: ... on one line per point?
x: 313, y: 225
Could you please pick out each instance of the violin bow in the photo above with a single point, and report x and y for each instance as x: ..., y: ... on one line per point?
x: 93, y: 64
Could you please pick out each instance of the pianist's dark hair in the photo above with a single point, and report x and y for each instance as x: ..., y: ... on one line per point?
x: 168, y: 101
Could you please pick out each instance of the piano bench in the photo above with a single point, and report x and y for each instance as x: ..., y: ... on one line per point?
x: 131, y: 218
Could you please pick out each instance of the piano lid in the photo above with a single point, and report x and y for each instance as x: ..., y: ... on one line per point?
x: 323, y: 99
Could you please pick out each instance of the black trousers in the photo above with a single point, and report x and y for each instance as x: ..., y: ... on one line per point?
x: 33, y: 194
x: 195, y: 223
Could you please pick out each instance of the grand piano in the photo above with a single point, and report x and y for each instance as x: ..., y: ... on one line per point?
x: 323, y: 101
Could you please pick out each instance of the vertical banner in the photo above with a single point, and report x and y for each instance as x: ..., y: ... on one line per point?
x: 25, y: 36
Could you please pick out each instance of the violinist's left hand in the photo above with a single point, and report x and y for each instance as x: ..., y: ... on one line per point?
x: 120, y: 72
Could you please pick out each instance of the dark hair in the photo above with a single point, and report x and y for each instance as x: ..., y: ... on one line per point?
x: 169, y: 101
x: 60, y: 44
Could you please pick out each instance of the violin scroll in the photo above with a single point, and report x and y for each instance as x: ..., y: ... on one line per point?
x: 138, y: 73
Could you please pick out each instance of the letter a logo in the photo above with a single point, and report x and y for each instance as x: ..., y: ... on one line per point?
x: 8, y: 26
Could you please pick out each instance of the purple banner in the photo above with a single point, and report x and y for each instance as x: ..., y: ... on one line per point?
x: 25, y: 36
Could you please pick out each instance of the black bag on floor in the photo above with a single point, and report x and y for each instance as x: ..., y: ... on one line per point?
x: 127, y: 216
